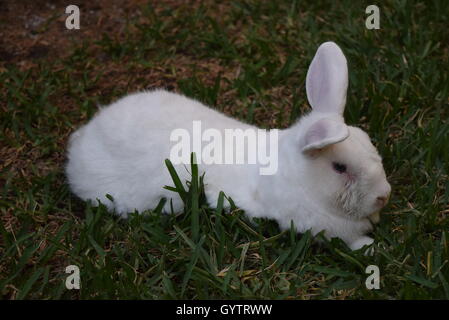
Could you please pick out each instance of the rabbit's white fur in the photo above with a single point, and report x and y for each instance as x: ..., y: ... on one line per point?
x: 121, y: 152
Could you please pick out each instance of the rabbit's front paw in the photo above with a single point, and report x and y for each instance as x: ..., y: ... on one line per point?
x: 360, y: 243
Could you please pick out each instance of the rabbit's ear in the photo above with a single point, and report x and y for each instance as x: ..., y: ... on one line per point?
x: 327, y: 79
x: 323, y: 133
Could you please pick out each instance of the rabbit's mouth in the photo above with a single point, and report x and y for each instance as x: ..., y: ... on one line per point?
x: 374, y: 217
x: 351, y: 202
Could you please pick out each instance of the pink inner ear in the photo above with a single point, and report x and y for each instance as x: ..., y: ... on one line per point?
x: 324, y: 132
x: 316, y: 133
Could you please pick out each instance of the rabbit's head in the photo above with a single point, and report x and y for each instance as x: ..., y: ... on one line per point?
x: 341, y: 166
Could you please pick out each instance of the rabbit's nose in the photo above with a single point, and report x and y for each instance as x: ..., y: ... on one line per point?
x: 382, y: 201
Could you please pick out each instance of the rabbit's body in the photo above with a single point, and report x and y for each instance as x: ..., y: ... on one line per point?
x: 121, y: 152
x: 127, y: 162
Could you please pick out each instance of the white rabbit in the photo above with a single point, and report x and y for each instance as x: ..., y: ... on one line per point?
x: 330, y: 177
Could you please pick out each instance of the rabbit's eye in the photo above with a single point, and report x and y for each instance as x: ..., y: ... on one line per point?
x: 339, y: 167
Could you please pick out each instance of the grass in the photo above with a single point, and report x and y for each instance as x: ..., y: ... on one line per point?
x: 249, y: 60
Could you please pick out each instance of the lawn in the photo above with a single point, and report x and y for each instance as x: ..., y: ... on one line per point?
x: 249, y: 60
